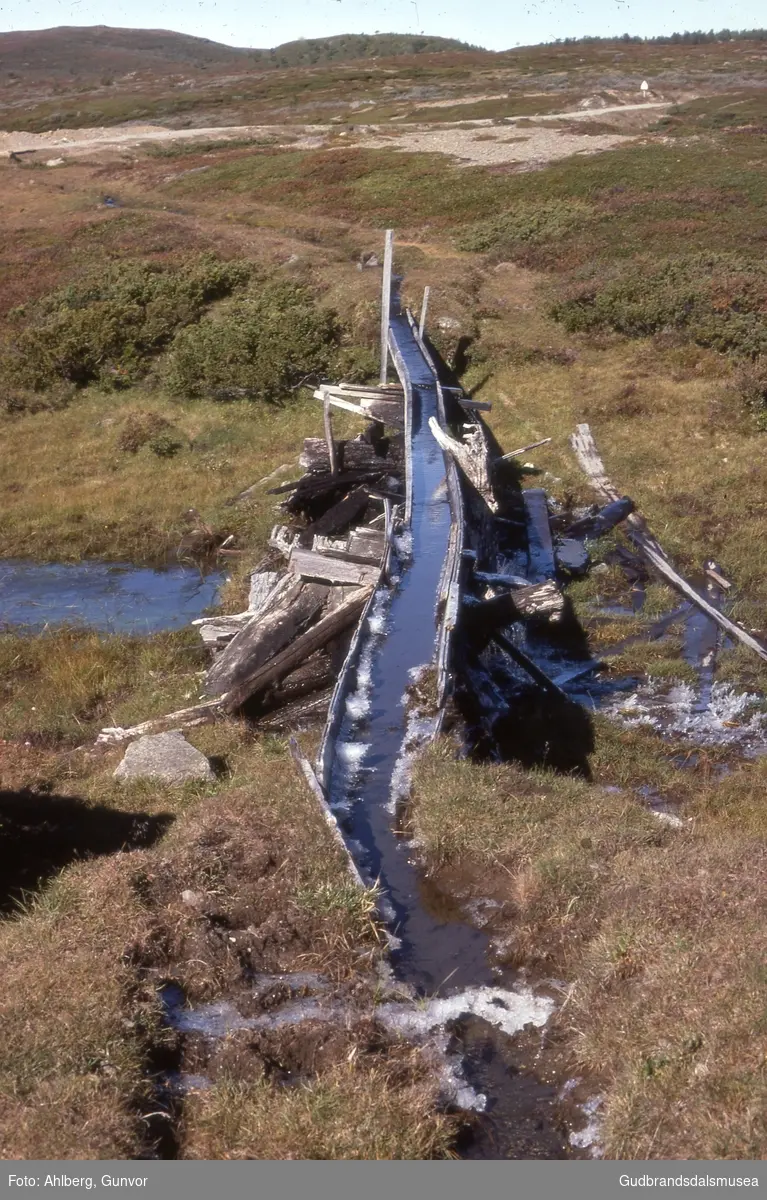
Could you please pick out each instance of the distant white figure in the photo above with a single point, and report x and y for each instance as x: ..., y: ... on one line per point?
x: 644, y: 88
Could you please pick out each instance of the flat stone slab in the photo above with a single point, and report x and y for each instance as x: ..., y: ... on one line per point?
x: 167, y: 757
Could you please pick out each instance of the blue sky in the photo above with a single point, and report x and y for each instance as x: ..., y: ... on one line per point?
x: 497, y: 24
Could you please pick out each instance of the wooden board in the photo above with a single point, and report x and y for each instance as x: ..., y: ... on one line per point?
x: 586, y: 452
x: 540, y: 554
x: 310, y: 565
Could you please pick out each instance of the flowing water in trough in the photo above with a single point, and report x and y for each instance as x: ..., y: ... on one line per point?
x: 433, y: 949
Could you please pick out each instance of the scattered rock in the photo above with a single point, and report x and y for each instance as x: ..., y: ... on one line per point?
x: 193, y: 899
x: 54, y: 162
x: 572, y: 556
x: 167, y: 757
x: 368, y: 260
x: 448, y: 323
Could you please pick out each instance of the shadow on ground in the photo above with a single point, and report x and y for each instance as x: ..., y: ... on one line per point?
x: 42, y: 833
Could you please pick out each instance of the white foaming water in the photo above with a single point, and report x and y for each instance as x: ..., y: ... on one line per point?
x: 418, y: 731
x: 403, y: 545
x: 508, y: 1010
x: 352, y: 755
x: 423, y: 1023
x: 358, y: 701
x: 588, y: 1137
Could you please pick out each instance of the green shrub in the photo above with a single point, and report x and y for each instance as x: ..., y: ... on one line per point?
x: 528, y: 223
x: 719, y: 300
x: 108, y: 325
x: 259, y: 348
x: 165, y: 445
x: 15, y: 401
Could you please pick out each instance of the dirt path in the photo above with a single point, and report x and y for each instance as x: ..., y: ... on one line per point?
x: 73, y: 141
x: 475, y: 147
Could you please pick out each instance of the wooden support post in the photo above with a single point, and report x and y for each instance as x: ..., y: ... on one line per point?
x: 424, y: 310
x: 329, y: 437
x: 386, y: 303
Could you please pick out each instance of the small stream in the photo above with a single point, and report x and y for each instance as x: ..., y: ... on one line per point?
x: 110, y: 597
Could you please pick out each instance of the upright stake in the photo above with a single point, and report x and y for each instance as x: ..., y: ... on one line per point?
x: 386, y: 303
x: 329, y: 436
x: 424, y: 310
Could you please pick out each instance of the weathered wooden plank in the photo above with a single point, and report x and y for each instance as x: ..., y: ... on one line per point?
x: 310, y: 565
x: 367, y: 545
x: 308, y: 643
x: 586, y: 452
x: 312, y: 782
x: 527, y: 664
x: 540, y: 548
x: 341, y: 515
x: 262, y: 584
x: 331, y: 445
x: 475, y: 405
x: 522, y: 450
x: 542, y: 602
x: 472, y: 457
x: 386, y: 303
x: 264, y: 637
x: 424, y: 311
x: 383, y: 390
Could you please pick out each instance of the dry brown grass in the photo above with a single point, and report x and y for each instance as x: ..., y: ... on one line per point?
x: 350, y: 1112
x: 83, y: 960
x: 658, y: 931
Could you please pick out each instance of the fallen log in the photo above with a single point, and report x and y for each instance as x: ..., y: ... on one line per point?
x: 315, y: 638
x: 265, y: 636
x: 183, y: 718
x: 603, y: 521
x: 541, y: 603
x: 639, y: 533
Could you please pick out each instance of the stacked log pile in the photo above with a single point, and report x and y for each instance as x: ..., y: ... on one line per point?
x: 278, y: 661
x: 283, y: 657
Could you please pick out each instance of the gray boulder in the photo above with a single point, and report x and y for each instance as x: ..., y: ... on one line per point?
x: 167, y: 757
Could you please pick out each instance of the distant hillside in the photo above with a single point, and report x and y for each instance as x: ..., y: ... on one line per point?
x: 68, y: 51
x: 349, y: 46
